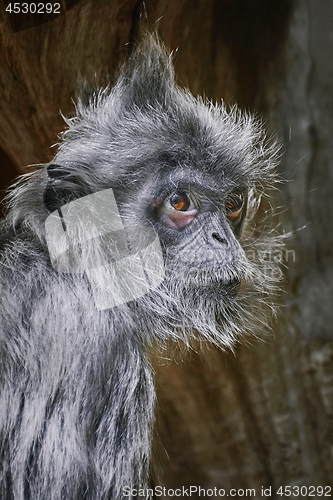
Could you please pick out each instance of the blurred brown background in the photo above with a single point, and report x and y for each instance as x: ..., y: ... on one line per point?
x: 265, y: 416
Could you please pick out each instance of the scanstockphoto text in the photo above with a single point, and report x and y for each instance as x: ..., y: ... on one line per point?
x: 295, y: 491
x: 280, y: 255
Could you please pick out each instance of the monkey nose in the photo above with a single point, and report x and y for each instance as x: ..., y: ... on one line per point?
x: 219, y: 238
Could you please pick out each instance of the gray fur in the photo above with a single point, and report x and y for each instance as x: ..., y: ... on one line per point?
x: 77, y: 395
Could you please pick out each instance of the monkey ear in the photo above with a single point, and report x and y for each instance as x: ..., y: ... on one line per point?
x: 63, y: 186
x: 148, y: 77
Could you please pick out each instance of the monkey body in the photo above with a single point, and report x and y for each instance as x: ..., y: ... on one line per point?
x: 77, y: 394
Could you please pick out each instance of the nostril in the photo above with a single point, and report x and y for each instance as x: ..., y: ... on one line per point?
x: 219, y: 238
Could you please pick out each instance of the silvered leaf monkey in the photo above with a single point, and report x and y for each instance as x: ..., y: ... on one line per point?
x: 138, y: 232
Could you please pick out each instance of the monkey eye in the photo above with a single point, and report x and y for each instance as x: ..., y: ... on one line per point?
x: 181, y: 201
x: 179, y: 210
x: 234, y: 205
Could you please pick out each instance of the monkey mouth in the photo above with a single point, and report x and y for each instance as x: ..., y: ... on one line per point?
x: 217, y: 283
x: 227, y: 290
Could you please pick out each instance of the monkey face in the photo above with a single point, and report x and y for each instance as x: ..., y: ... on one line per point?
x: 200, y: 230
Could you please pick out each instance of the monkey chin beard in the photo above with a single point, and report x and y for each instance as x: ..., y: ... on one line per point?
x: 218, y: 305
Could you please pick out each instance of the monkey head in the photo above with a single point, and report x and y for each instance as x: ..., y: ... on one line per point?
x: 187, y: 171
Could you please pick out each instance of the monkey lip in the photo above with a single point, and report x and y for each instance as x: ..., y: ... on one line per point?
x: 233, y: 286
x: 215, y: 282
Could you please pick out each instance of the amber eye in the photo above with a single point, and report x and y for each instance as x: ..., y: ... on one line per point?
x: 180, y: 201
x: 234, y: 205
x: 179, y: 209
